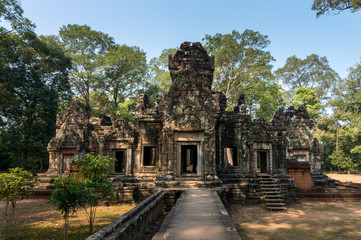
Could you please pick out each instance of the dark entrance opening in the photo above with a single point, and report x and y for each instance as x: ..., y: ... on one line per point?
x: 149, y: 156
x: 262, y: 161
x: 189, y: 158
x: 120, y: 163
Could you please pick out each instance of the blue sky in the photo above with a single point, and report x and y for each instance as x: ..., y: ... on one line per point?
x: 154, y: 25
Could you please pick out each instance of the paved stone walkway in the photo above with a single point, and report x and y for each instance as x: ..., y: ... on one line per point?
x: 199, y: 214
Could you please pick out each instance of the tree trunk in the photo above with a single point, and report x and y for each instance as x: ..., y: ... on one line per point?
x: 6, y: 221
x: 92, y: 213
x: 91, y: 223
x: 41, y: 163
x: 87, y: 109
x: 336, y: 138
x: 66, y: 226
x: 339, y: 168
x: 24, y: 159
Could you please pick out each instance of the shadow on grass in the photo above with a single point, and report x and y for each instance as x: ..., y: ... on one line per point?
x: 242, y: 233
x: 316, y: 220
x: 36, y: 219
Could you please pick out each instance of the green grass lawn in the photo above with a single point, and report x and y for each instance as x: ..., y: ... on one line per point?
x: 36, y: 219
x: 302, y: 221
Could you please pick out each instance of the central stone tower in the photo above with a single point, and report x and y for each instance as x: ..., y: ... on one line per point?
x: 189, y: 113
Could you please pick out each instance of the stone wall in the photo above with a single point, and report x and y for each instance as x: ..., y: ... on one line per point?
x: 135, y: 223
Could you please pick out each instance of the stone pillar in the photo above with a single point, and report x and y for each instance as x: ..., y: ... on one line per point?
x: 164, y: 156
x: 101, y: 146
x: 172, y: 158
x: 54, y: 161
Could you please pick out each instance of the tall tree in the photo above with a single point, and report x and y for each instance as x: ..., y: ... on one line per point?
x: 244, y: 67
x: 347, y: 110
x: 125, y: 69
x: 307, y: 98
x: 312, y: 72
x: 158, y: 69
x: 33, y: 80
x: 87, y: 49
x: 331, y: 6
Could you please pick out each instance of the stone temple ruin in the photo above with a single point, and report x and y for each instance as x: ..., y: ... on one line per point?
x: 189, y: 139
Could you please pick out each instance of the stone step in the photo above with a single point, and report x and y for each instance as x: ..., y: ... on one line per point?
x: 44, y: 179
x: 271, y: 191
x: 277, y: 208
x: 267, y: 182
x: 274, y: 200
x: 269, y: 188
x: 273, y: 195
x: 276, y: 204
x: 188, y: 179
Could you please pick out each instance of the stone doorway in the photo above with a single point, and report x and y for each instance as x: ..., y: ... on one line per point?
x: 189, y: 159
x: 119, y: 166
x: 262, y: 161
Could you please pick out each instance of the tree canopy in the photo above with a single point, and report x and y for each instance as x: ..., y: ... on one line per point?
x: 34, y: 78
x: 158, y: 69
x: 244, y: 67
x: 86, y: 48
x: 307, y: 98
x: 312, y: 72
x: 11, y: 12
x: 335, y: 6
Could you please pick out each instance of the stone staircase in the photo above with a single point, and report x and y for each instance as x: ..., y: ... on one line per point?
x: 271, y: 192
x: 189, y: 181
x: 45, y: 179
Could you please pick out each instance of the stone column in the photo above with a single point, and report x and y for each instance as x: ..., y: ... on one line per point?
x: 172, y: 158
x: 53, y: 161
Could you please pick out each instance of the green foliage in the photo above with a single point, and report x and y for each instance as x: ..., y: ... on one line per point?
x: 312, y: 72
x: 104, y: 74
x: 307, y: 97
x: 33, y: 81
x: 344, y: 161
x: 125, y: 68
x: 86, y: 48
x: 342, y: 131
x: 11, y: 12
x: 87, y: 191
x: 68, y: 194
x: 244, y: 67
x: 95, y: 171
x: 329, y: 6
x: 159, y: 72
x: 14, y: 186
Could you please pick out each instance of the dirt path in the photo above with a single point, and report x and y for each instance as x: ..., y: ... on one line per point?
x: 355, y: 178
